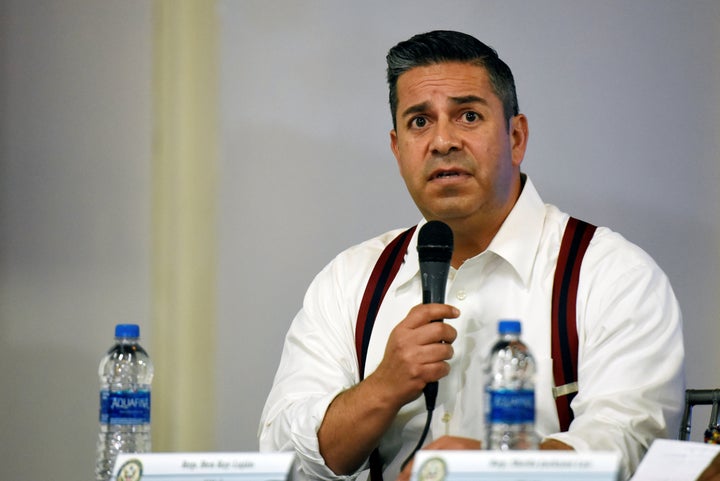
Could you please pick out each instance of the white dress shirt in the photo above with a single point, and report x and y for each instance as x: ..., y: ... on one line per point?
x: 630, y: 361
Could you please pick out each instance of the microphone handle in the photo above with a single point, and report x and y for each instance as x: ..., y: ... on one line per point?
x: 434, y: 280
x: 431, y: 389
x: 434, y: 277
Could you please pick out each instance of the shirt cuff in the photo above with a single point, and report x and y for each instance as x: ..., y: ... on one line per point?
x: 303, y: 434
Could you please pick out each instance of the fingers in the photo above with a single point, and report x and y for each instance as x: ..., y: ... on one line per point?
x: 424, y: 313
x: 454, y: 443
x: 418, y: 327
x: 417, y: 352
x: 418, y: 340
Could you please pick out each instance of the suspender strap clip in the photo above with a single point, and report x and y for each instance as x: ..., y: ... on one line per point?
x: 565, y: 390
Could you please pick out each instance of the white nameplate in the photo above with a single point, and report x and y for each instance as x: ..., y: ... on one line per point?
x: 203, y: 466
x: 668, y: 459
x: 515, y: 466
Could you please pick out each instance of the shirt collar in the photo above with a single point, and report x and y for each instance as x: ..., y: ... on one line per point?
x: 518, y: 239
x: 516, y: 242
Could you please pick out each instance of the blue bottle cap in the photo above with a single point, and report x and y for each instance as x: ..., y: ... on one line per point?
x: 127, y: 330
x: 509, y: 326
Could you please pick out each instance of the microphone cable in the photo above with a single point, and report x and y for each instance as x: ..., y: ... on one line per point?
x: 430, y: 404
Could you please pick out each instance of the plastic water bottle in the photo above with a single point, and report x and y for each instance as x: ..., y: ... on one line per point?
x: 126, y: 373
x: 510, y: 392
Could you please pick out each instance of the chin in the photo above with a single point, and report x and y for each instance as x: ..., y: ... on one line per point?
x: 453, y: 210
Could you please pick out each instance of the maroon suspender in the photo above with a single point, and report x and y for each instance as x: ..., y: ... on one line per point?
x: 381, y: 277
x: 575, y: 241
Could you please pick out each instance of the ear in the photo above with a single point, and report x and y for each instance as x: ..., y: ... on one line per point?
x: 394, y: 144
x: 518, y: 131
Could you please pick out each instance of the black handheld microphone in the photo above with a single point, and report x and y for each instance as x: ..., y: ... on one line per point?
x: 435, y: 248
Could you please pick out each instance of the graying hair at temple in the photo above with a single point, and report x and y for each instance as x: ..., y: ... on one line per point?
x: 448, y: 46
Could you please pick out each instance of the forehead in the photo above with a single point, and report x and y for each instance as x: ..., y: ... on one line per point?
x: 448, y: 79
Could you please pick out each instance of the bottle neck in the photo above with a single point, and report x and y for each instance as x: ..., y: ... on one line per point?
x: 510, y: 336
x: 127, y: 340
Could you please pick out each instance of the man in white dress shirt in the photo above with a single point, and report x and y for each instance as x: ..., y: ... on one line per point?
x: 459, y: 140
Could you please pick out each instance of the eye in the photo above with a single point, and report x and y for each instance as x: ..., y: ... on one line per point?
x: 471, y: 116
x: 418, y: 122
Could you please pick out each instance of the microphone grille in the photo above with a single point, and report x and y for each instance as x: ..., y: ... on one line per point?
x: 435, y: 242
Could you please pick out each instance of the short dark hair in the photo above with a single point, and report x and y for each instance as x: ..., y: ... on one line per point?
x: 441, y: 46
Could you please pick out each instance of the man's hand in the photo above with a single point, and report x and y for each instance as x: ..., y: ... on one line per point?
x: 446, y: 443
x: 554, y: 444
x: 416, y: 353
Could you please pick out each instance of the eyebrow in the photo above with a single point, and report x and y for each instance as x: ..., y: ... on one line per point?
x: 462, y: 100
x: 468, y: 99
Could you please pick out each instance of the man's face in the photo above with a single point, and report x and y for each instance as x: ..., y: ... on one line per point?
x: 459, y: 158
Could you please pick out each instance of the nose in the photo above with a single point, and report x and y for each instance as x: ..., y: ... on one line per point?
x: 445, y: 138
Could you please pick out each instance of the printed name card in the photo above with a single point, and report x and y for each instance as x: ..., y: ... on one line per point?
x: 515, y: 466
x: 671, y: 460
x: 203, y: 466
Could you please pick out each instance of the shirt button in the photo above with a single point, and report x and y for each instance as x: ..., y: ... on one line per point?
x: 461, y: 295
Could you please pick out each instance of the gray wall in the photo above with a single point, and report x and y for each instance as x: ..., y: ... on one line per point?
x: 624, y: 111
x: 75, y: 154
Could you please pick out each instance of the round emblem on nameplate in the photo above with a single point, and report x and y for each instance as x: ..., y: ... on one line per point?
x: 433, y: 469
x: 130, y: 471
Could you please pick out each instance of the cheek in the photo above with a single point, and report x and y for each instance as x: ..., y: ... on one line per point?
x: 408, y: 174
x: 405, y: 160
x: 411, y: 160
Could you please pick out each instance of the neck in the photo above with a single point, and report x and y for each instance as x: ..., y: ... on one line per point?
x: 470, y: 241
x: 473, y: 235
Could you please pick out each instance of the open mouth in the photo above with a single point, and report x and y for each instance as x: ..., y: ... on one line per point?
x: 446, y: 174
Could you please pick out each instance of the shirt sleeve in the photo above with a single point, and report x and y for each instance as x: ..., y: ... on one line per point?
x: 318, y: 362
x: 631, y: 355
